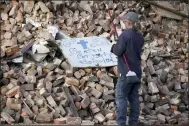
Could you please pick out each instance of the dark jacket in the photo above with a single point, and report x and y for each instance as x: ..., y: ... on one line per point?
x: 129, y: 42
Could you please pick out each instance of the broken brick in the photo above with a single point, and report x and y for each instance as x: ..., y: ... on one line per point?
x: 78, y: 105
x: 42, y: 91
x: 35, y: 109
x: 85, y: 102
x: 15, y: 107
x: 51, y: 101
x: 58, y: 81
x: 43, y: 118
x: 99, y: 88
x: 4, y: 90
x: 72, y: 81
x: 7, y: 117
x: 59, y: 71
x: 62, y: 110
x: 57, y: 61
x: 88, y: 70
x: 73, y: 120
x: 11, y: 50
x: 110, y: 116
x: 10, y: 86
x: 48, y: 86
x: 27, y: 87
x: 96, y: 93
x: 69, y: 73
x: 77, y: 74
x: 60, y: 121
x: 82, y: 72
x: 12, y: 92
x: 87, y: 123
x: 94, y: 108
x: 108, y: 98
x: 100, y: 117
x: 109, y: 85
x: 65, y: 66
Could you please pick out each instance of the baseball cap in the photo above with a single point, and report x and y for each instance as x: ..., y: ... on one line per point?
x: 130, y: 16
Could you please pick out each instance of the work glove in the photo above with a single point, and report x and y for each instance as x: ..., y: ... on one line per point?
x: 114, y: 42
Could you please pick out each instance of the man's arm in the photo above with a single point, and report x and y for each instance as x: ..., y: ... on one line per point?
x: 119, y: 48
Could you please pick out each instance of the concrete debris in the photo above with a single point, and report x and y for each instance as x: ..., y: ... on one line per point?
x: 100, y: 117
x: 43, y: 7
x: 28, y: 6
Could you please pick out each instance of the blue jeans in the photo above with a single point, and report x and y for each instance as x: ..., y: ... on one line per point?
x: 126, y: 92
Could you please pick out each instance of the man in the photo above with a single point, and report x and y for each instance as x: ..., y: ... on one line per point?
x: 130, y: 43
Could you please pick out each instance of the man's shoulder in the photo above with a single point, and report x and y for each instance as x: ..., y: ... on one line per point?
x: 125, y: 33
x: 131, y: 32
x: 141, y: 36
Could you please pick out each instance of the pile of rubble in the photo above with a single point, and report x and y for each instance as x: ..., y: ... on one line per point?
x: 39, y: 85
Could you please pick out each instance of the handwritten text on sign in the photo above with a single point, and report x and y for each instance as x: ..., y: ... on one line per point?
x: 88, y: 52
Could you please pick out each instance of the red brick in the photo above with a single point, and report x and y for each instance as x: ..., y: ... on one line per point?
x: 82, y: 82
x: 161, y: 35
x: 51, y: 101
x: 87, y: 123
x: 9, y: 102
x: 13, y: 91
x: 7, y: 117
x: 43, y: 118
x: 15, y: 107
x: 99, y: 74
x: 99, y: 88
x: 4, y: 90
x: 28, y: 87
x: 77, y: 74
x: 60, y: 121
x: 69, y: 73
x: 82, y: 72
x: 73, y: 120
x: 78, y: 105
x: 173, y: 107
x: 11, y: 50
x: 88, y: 70
x: 179, y: 65
x: 100, y: 117
x: 94, y: 108
x: 85, y: 102
x: 115, y: 71
x: 72, y: 81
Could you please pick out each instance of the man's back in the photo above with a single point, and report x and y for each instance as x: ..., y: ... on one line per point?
x: 131, y: 41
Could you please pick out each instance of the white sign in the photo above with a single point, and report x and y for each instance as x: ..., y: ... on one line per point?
x: 88, y: 52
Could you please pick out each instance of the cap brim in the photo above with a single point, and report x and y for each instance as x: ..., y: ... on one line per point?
x: 124, y: 18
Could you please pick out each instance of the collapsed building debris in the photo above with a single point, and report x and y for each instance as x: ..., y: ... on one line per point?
x: 38, y: 84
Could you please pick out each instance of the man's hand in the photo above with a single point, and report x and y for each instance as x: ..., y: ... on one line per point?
x: 113, y: 43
